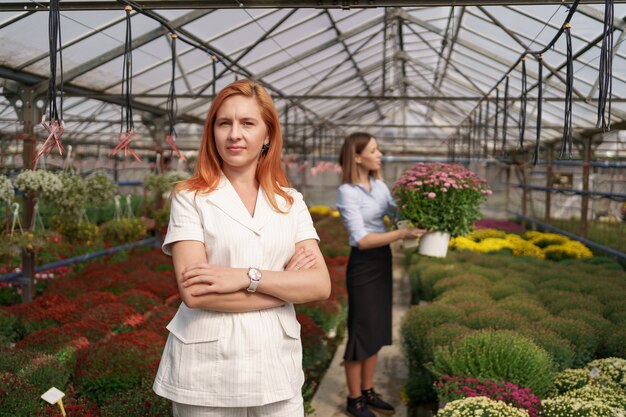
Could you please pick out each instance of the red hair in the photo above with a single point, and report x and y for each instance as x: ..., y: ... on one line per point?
x: 269, y: 172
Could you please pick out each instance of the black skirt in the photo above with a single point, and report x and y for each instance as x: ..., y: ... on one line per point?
x: 370, y: 289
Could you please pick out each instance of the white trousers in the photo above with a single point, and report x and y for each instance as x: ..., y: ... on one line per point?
x: 287, y: 408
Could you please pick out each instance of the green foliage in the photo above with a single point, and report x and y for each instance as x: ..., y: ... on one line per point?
x: 18, y: 397
x: 444, y: 335
x: 557, y: 301
x: 493, y: 318
x: 428, y: 276
x: 464, y: 295
x: 45, y: 371
x: 139, y: 401
x: 161, y: 183
x: 115, y: 365
x: 531, y: 309
x: 468, y: 281
x: 417, y: 322
x: 561, y: 350
x: 579, y: 333
x: 8, y: 297
x: 615, y: 343
x: 75, y: 232
x: 419, y: 386
x: 124, y: 230
x: 497, y: 355
x: 601, y: 327
x: 510, y: 286
x: 11, y: 328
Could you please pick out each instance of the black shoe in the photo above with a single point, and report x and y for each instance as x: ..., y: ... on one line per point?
x: 357, y: 407
x: 375, y: 402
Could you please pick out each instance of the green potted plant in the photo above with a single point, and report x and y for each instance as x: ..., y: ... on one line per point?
x: 443, y: 198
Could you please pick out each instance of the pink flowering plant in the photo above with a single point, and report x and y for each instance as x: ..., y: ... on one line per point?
x: 450, y: 388
x: 440, y: 197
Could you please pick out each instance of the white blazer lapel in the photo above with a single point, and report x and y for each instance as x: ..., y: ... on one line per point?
x: 226, y: 199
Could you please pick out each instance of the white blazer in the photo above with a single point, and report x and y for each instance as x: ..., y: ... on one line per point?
x: 234, y: 359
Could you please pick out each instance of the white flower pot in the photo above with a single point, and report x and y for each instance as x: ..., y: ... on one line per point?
x: 434, y: 244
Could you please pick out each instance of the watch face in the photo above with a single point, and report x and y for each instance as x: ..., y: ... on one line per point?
x: 254, y: 274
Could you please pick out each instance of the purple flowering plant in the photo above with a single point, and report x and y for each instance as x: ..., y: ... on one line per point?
x: 442, y: 197
x: 450, y: 388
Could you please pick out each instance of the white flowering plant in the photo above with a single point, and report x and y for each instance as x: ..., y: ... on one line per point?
x: 480, y: 406
x: 71, y: 198
x: 101, y: 189
x: 576, y: 407
x: 440, y: 197
x: 39, y: 183
x: 6, y: 189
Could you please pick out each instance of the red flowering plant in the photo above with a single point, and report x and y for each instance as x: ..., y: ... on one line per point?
x: 114, y: 365
x: 450, y: 388
x: 440, y: 197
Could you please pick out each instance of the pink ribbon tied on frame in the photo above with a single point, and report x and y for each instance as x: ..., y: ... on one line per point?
x: 124, y: 143
x: 55, y: 130
x: 170, y: 141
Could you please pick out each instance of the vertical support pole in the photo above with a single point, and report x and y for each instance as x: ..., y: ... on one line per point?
x: 507, y: 190
x: 30, y: 116
x: 524, y: 191
x: 584, y: 205
x: 549, y: 181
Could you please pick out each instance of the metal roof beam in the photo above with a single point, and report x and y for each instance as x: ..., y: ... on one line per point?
x: 69, y: 89
x: 119, y: 51
x: 354, y: 63
x: 319, y: 48
x: 42, y: 6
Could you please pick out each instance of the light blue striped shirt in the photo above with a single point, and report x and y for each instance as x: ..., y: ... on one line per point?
x: 362, y: 211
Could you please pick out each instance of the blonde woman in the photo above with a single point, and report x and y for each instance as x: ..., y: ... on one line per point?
x: 363, y: 200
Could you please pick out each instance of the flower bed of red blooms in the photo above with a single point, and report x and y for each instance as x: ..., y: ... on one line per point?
x: 106, y: 322
x: 450, y: 388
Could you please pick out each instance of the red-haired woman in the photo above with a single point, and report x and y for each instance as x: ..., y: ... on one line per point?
x: 244, y: 251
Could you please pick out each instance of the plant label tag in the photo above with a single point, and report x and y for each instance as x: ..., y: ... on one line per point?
x: 53, y: 395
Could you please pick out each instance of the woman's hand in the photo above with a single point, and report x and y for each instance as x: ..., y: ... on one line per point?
x: 214, y: 279
x: 302, y: 259
x: 413, y: 233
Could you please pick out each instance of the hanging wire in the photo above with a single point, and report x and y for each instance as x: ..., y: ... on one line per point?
x: 55, y: 127
x: 126, y: 112
x: 214, y: 65
x: 523, y: 105
x: 605, y: 76
x: 495, y: 124
x: 539, y: 109
x: 571, y: 10
x: 171, y: 104
x: 566, y: 144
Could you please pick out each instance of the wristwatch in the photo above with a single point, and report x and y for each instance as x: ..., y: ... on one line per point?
x: 255, y: 276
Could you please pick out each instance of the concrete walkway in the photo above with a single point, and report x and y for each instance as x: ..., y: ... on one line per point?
x: 391, y: 373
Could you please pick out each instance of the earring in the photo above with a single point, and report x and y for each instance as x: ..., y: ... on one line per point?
x: 265, y: 147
